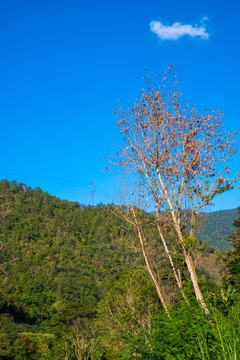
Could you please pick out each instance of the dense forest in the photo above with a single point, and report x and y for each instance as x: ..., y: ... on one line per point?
x: 74, y: 285
x: 217, y: 226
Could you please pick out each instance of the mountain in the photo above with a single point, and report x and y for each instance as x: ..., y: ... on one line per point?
x: 59, y: 260
x: 61, y: 254
x: 216, y: 226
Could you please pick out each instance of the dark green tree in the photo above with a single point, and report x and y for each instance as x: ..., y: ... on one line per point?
x: 232, y: 257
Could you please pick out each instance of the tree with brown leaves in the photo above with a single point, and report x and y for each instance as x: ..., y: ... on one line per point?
x: 182, y: 156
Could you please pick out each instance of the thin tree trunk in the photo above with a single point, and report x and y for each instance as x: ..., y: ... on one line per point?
x: 193, y: 275
x: 148, y: 265
x: 191, y: 270
x: 178, y: 280
x: 187, y: 256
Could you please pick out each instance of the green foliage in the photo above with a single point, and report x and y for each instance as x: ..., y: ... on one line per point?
x: 71, y: 287
x: 126, y: 312
x: 59, y: 257
x: 232, y: 257
x: 216, y: 226
x: 65, y: 253
x: 178, y: 337
x: 189, y: 242
x: 188, y: 335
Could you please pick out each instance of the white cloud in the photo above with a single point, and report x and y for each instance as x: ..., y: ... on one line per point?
x: 177, y: 30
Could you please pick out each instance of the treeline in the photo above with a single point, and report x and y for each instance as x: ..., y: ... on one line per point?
x: 74, y: 285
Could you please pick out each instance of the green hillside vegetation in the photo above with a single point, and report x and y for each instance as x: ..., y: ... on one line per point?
x: 64, y: 252
x: 232, y: 257
x: 74, y: 285
x: 217, y: 226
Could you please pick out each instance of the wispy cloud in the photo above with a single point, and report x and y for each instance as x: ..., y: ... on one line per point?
x: 176, y: 30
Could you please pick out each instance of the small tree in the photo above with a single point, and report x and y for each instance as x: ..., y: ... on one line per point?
x: 180, y: 154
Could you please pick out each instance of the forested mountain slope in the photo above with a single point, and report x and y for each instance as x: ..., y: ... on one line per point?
x: 64, y: 253
x: 217, y: 226
x: 59, y: 259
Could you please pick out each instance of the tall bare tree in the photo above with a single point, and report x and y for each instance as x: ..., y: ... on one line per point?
x: 183, y: 157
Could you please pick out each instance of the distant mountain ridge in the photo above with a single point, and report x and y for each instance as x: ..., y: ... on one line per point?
x: 217, y: 226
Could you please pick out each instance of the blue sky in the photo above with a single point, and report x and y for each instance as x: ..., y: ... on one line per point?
x: 64, y: 64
